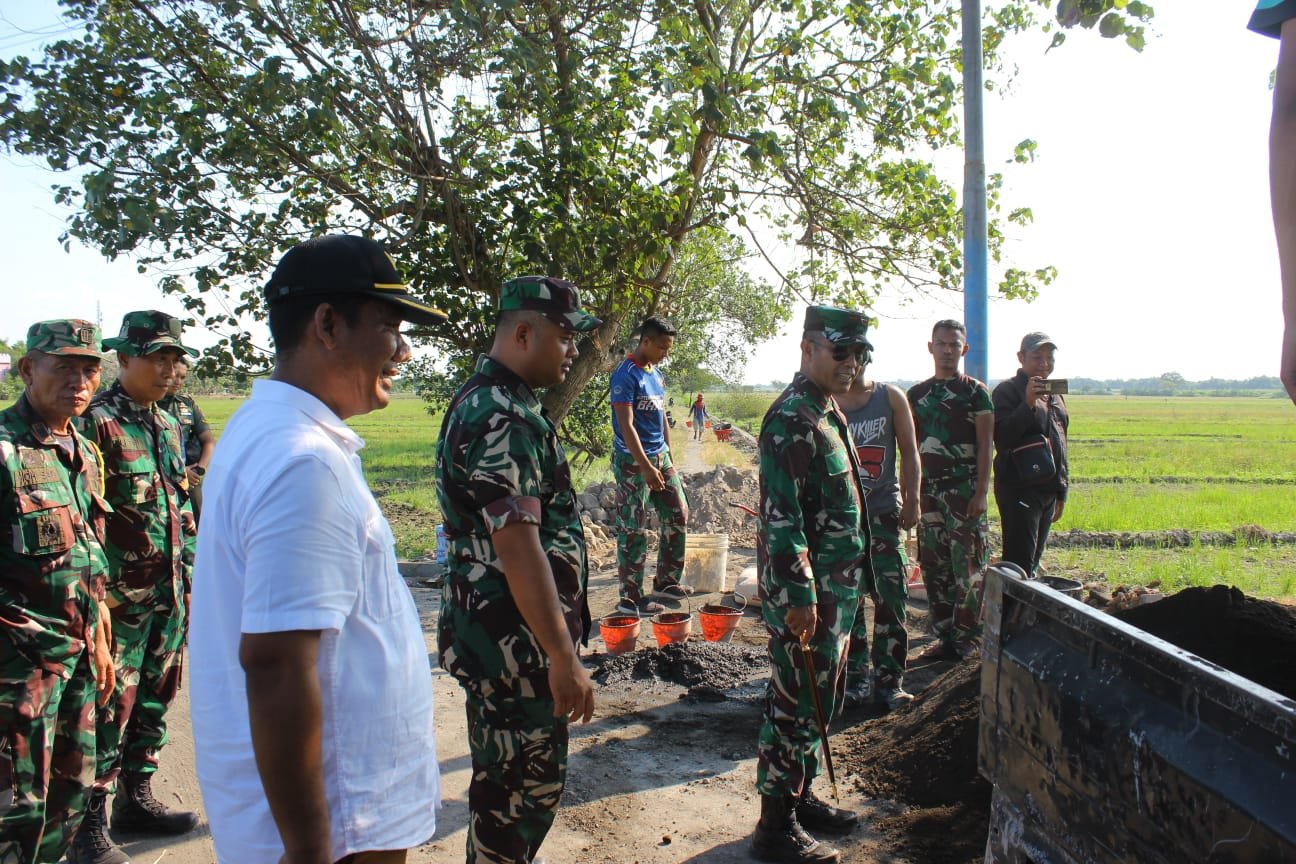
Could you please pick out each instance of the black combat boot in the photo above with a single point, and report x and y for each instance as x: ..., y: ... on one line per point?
x: 780, y: 838
x: 136, y: 810
x: 818, y: 815
x: 92, y: 845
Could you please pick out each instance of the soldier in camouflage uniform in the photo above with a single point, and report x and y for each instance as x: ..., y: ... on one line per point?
x: 645, y: 472
x: 149, y: 541
x: 954, y: 419
x: 812, y: 556
x: 196, y: 438
x: 513, y: 605
x: 53, y: 624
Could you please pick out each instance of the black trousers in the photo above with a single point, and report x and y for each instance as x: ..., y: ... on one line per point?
x: 1025, y: 516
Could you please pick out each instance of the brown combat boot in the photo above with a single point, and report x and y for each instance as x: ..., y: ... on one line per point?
x: 136, y: 810
x: 92, y: 845
x: 781, y: 839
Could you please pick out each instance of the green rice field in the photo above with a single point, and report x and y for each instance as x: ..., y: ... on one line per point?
x: 1137, y: 464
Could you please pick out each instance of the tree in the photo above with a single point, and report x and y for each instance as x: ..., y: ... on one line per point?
x: 482, y: 139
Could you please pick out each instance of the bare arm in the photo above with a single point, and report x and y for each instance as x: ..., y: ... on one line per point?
x: 530, y: 581
x: 910, y: 462
x: 208, y: 442
x: 984, y: 439
x: 284, y: 707
x: 1282, y: 188
x: 625, y: 419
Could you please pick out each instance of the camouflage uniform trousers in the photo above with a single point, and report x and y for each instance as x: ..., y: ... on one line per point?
x: 633, y: 497
x: 889, y: 595
x: 47, y: 753
x: 789, y: 746
x: 147, y: 656
x: 519, y: 768
x: 952, y: 550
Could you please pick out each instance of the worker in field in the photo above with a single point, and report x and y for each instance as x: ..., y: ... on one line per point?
x: 312, y: 699
x: 1278, y: 18
x: 1030, y: 467
x: 513, y: 608
x: 150, y: 545
x: 645, y: 473
x: 699, y: 414
x: 882, y: 426
x: 954, y: 422
x: 196, y: 438
x: 812, y: 556
x: 54, y: 640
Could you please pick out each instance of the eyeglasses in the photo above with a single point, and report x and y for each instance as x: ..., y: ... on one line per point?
x: 841, y: 352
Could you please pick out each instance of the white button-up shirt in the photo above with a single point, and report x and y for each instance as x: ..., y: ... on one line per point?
x: 292, y: 539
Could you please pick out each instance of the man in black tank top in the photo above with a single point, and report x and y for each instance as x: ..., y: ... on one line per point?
x: 878, y: 417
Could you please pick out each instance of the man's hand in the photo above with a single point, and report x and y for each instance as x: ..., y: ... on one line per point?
x: 655, y: 479
x: 908, y: 514
x: 105, y: 672
x: 1035, y: 392
x: 1057, y: 509
x: 195, y: 479
x: 801, y: 620
x: 978, y: 505
x: 573, y: 692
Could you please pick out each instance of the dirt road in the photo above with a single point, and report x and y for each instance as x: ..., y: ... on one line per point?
x: 659, y: 776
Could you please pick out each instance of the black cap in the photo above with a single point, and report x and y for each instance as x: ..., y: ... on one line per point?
x: 345, y: 264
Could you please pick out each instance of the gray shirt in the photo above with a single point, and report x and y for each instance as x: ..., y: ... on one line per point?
x: 872, y: 429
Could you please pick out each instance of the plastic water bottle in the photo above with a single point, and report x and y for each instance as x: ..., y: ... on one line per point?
x: 441, y: 544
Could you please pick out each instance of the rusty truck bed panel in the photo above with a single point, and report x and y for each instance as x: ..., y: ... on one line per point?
x: 1107, y: 744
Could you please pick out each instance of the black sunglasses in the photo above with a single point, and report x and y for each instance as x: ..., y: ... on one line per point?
x: 841, y: 352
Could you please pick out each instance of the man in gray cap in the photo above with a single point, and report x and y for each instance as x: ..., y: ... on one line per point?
x: 812, y: 554
x: 312, y: 697
x: 149, y: 541
x: 1030, y: 469
x: 53, y: 637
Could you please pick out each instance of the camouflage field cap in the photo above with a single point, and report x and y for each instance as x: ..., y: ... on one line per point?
x: 839, y: 326
x: 556, y: 299
x: 346, y: 264
x: 66, y: 336
x: 148, y: 331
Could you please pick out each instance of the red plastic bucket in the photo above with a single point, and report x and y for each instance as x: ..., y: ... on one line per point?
x: 671, y: 627
x: 619, y: 632
x: 719, y: 622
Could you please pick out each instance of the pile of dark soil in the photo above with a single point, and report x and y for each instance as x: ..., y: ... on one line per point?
x: 1253, y: 638
x: 925, y: 755
x: 718, y: 665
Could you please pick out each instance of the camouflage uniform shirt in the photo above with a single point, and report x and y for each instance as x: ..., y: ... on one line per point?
x: 150, y: 534
x: 813, y: 523
x: 945, y: 414
x: 192, y: 424
x: 499, y: 463
x: 52, y: 569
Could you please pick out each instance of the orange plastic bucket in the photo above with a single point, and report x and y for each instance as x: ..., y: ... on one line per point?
x: 619, y: 632
x: 671, y: 627
x: 719, y: 622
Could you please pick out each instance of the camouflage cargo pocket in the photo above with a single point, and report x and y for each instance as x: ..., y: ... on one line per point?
x: 43, y: 529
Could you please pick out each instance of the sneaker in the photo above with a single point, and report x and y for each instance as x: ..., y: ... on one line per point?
x: 643, y: 608
x: 891, y: 698
x: 938, y: 651
x: 966, y: 648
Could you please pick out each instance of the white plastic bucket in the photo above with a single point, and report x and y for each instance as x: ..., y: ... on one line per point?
x: 706, y: 560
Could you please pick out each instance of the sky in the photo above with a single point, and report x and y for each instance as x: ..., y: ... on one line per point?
x: 1149, y: 190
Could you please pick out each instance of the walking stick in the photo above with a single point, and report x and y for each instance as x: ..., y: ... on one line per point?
x: 808, y: 665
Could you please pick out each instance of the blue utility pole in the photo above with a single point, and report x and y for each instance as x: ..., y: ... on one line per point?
x: 975, y: 256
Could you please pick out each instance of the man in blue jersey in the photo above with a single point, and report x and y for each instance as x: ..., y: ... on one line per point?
x: 1278, y: 18
x: 641, y: 464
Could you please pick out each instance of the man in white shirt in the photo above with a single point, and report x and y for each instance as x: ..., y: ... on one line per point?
x: 311, y: 688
